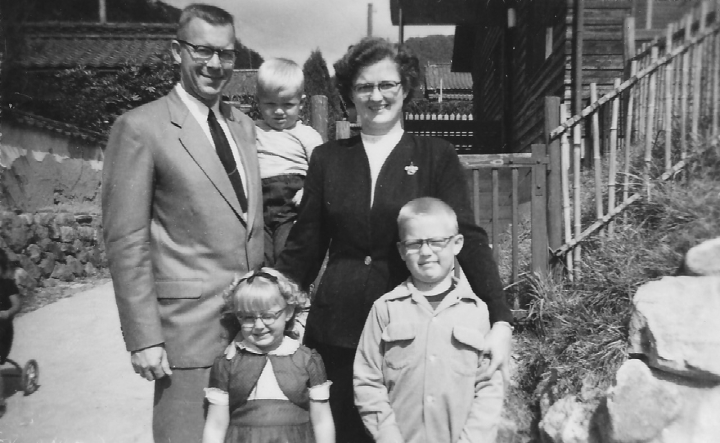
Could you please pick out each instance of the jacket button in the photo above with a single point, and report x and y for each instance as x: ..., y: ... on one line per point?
x: 368, y: 260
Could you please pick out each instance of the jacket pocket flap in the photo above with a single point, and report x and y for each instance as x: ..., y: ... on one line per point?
x: 398, y: 332
x: 181, y: 288
x: 469, y: 337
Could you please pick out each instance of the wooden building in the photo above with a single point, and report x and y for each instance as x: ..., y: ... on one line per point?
x: 520, y: 51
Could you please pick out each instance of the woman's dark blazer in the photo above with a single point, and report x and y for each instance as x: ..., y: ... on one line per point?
x: 364, y: 262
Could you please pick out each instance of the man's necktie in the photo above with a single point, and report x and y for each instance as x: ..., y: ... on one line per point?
x: 224, y: 151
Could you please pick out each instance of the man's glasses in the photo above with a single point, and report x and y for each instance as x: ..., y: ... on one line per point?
x: 385, y: 87
x: 435, y: 244
x: 268, y: 317
x: 205, y: 53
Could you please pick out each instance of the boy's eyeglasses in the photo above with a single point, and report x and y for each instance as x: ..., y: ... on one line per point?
x: 205, y: 53
x: 385, y: 87
x: 435, y: 244
x: 268, y: 317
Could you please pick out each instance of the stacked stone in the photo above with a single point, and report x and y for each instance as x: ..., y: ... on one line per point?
x: 52, y: 247
x: 669, y: 389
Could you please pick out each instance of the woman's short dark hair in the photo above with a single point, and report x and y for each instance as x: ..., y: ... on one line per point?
x: 369, y: 51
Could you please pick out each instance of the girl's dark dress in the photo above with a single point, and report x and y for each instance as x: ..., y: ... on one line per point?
x: 262, y: 415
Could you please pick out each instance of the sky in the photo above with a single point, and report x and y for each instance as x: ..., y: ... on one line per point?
x: 294, y: 28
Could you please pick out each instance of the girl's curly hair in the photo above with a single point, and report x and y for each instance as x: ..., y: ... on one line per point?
x: 249, y: 292
x: 369, y: 51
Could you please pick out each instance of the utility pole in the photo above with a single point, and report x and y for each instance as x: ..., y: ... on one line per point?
x: 102, y: 11
x: 369, y: 19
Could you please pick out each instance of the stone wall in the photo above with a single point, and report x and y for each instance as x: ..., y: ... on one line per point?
x: 52, y: 247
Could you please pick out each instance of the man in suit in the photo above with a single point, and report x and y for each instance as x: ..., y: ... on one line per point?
x: 182, y: 213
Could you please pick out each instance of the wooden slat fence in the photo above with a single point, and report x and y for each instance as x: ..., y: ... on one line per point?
x: 670, y: 104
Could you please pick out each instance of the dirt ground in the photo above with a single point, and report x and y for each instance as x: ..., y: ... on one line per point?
x: 88, y: 391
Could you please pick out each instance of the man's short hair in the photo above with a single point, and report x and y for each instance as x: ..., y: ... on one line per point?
x: 208, y: 13
x: 426, y: 206
x: 280, y: 74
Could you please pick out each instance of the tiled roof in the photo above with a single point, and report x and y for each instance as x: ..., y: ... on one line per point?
x: 58, y: 45
x: 53, y: 125
x: 241, y: 83
x: 456, y: 81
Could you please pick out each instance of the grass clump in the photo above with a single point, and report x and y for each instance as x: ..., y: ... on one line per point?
x: 582, y: 327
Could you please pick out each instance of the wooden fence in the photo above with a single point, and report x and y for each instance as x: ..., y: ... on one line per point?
x: 668, y: 105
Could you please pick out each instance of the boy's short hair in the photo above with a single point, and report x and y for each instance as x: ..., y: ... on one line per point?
x: 426, y: 206
x: 208, y: 13
x: 279, y: 74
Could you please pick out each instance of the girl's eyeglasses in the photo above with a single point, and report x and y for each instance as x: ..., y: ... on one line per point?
x: 386, y: 87
x: 268, y: 317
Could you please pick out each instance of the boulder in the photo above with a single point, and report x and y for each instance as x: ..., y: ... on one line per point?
x: 47, y: 265
x: 703, y: 259
x: 90, y: 270
x: 34, y: 253
x: 650, y: 406
x: 639, y: 407
x: 86, y: 233
x: 568, y: 420
x: 68, y: 234
x: 675, y: 326
x: 62, y: 272
x: 75, y: 266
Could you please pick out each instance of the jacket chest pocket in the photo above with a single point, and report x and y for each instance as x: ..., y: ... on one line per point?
x: 469, y: 345
x: 398, y: 345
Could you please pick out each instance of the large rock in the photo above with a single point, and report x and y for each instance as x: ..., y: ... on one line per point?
x: 650, y: 406
x: 569, y: 420
x: 675, y: 326
x: 638, y: 407
x: 703, y: 259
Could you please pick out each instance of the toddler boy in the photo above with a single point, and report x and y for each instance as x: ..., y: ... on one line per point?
x: 419, y: 368
x: 284, y: 148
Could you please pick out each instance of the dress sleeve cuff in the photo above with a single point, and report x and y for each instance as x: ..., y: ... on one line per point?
x: 320, y: 392
x: 217, y: 396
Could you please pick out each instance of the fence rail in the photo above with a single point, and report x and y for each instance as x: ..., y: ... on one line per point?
x: 670, y: 103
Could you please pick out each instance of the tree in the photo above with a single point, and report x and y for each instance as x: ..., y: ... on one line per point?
x: 318, y: 82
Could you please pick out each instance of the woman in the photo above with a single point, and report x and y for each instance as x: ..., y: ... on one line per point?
x: 353, y: 192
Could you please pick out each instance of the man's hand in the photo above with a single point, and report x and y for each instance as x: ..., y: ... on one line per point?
x: 499, y: 343
x: 151, y: 363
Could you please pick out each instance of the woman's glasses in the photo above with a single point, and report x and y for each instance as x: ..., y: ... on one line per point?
x: 268, y: 318
x: 435, y: 244
x: 386, y: 87
x: 205, y: 53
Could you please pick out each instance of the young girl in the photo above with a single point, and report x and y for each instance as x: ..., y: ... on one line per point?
x: 267, y: 387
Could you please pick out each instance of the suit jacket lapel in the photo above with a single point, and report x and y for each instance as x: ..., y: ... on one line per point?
x: 193, y: 139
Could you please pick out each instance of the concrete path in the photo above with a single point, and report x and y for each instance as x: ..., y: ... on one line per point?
x: 88, y: 391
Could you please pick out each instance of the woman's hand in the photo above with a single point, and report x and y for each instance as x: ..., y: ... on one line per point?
x: 499, y: 346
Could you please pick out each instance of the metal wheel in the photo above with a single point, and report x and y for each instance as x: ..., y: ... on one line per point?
x: 30, y: 377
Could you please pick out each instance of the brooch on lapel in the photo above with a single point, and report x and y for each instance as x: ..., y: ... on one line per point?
x: 411, y: 169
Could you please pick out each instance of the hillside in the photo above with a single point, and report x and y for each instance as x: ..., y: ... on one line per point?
x: 433, y: 48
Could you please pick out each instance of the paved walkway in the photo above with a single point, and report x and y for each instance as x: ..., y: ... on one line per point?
x: 88, y: 391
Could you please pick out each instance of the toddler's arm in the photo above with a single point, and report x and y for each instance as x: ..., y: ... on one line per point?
x: 482, y: 422
x: 371, y: 394
x: 218, y: 418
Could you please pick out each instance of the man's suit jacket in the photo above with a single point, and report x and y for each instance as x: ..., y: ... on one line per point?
x: 173, y: 227
x: 364, y: 262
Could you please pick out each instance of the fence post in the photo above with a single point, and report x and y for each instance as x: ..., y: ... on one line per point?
x: 538, y: 208
x: 319, y: 115
x: 554, y: 203
x: 342, y: 130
